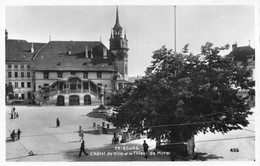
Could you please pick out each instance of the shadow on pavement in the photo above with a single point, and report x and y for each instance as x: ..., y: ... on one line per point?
x: 204, y: 156
x: 8, y: 140
x: 14, y: 158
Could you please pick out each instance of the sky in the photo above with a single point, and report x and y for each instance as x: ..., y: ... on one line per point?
x: 148, y: 27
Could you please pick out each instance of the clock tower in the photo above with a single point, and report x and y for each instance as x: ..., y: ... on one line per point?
x: 118, y: 45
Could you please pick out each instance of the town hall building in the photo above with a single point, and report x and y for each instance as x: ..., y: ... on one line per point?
x: 69, y: 72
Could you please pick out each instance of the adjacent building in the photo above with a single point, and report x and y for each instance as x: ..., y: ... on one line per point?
x: 68, y: 72
x: 18, y: 67
x: 244, y: 56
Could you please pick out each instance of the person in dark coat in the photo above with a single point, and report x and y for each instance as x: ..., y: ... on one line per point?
x: 82, y: 148
x: 13, y: 135
x: 145, y: 146
x: 18, y: 134
x: 57, y: 122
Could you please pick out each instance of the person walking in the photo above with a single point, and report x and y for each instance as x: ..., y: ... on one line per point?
x: 12, y: 108
x: 57, y: 122
x: 13, y: 135
x: 81, y: 134
x: 82, y: 148
x: 18, y: 134
x: 145, y: 146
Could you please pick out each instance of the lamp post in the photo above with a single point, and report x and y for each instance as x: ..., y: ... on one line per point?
x: 105, y: 94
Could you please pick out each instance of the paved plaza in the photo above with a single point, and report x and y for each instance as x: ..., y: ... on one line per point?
x: 50, y: 143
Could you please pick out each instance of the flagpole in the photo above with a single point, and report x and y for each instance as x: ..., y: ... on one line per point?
x: 175, y: 29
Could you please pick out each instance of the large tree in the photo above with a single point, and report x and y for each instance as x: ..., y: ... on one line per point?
x: 184, y: 94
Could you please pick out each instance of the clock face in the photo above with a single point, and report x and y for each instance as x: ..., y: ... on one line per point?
x: 121, y: 54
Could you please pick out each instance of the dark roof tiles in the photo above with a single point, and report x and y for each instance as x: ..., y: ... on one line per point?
x: 55, y: 57
x: 242, y: 53
x: 20, y: 50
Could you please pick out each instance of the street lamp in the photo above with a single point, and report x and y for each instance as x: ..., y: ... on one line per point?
x: 104, y: 94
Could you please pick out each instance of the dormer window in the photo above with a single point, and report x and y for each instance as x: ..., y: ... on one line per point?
x: 104, y: 53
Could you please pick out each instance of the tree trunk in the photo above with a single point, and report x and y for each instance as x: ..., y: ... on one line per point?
x: 158, y: 142
x: 191, y: 147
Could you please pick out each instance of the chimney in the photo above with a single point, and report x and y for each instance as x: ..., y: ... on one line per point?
x: 32, y: 49
x: 6, y: 34
x: 234, y: 46
x: 86, y: 51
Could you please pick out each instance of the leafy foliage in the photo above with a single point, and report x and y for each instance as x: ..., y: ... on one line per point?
x: 182, y: 95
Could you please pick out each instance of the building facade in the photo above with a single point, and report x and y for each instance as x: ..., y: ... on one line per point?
x: 18, y: 67
x: 73, y: 72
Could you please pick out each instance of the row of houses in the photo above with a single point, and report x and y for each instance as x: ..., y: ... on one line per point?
x: 66, y: 72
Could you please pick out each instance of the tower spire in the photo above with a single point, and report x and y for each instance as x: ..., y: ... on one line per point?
x: 117, y: 25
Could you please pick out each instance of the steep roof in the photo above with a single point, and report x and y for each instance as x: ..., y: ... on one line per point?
x: 242, y: 53
x: 20, y: 50
x: 55, y: 57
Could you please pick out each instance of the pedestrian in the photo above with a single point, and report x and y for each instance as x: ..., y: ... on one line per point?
x: 13, y: 135
x: 12, y: 108
x: 57, y: 122
x: 145, y: 146
x: 82, y: 148
x: 81, y: 134
x: 12, y: 115
x: 17, y: 115
x: 18, y: 134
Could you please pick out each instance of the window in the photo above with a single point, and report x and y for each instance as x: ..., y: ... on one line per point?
x: 22, y: 84
x: 22, y: 66
x: 46, y: 85
x: 16, y: 96
x: 73, y: 73
x: 22, y: 96
x: 46, y: 75
x: 16, y: 66
x: 9, y: 83
x: 126, y: 68
x: 16, y: 84
x: 85, y: 75
x: 28, y: 84
x: 28, y: 66
x: 15, y: 74
x: 99, y: 84
x: 22, y: 74
x: 28, y: 74
x: 59, y: 74
x: 99, y: 75
x: 120, y: 86
x: 9, y: 66
x: 9, y: 74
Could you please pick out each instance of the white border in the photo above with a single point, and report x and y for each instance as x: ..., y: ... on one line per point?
x: 4, y: 3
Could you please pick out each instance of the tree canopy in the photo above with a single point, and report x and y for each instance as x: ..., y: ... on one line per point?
x: 184, y: 94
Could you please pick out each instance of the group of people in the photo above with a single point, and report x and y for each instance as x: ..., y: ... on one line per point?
x: 14, y: 114
x: 115, y: 139
x: 15, y: 136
